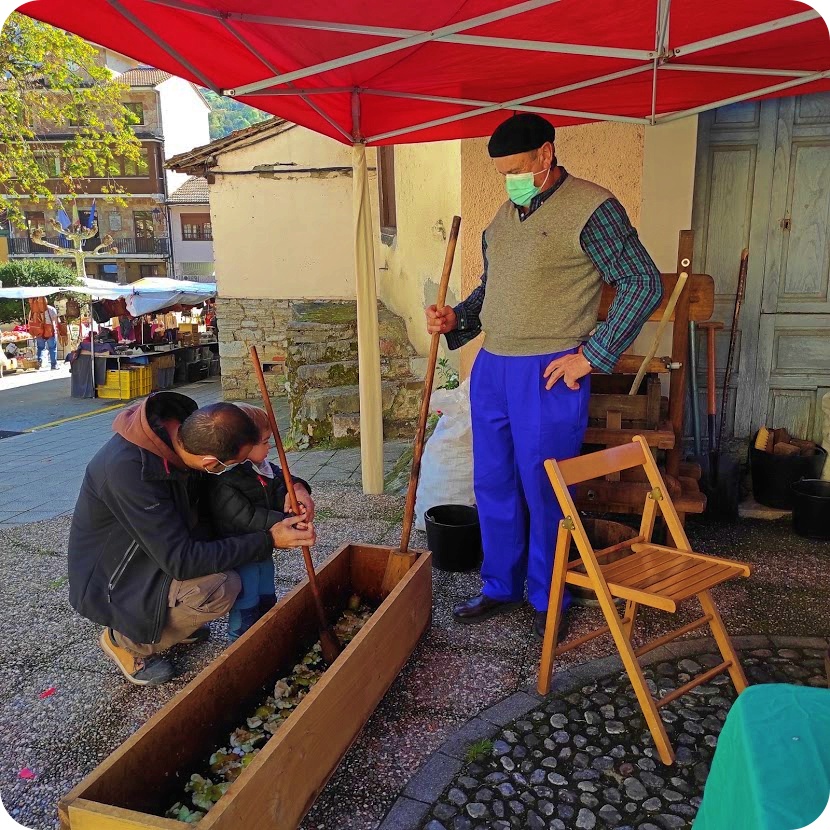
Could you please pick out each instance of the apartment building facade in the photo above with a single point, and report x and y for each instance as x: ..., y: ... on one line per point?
x: 172, y: 117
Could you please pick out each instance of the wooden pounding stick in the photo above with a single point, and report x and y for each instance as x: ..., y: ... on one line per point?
x: 400, y: 561
x: 328, y: 639
x: 655, y: 343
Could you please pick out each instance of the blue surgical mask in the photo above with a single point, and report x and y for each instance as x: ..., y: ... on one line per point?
x: 520, y: 187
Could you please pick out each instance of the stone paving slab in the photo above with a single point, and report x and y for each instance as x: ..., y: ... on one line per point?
x: 48, y: 464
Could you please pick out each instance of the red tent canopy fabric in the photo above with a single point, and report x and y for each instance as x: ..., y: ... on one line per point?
x: 391, y: 73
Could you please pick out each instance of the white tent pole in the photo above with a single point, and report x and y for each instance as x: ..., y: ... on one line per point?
x: 491, y: 106
x: 661, y: 37
x: 743, y: 34
x: 302, y: 91
x: 368, y: 345
x: 389, y: 48
x: 736, y: 70
x: 646, y: 67
x: 268, y: 65
x: 735, y: 99
x: 387, y: 32
x: 145, y: 29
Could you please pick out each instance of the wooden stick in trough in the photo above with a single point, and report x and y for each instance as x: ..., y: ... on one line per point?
x: 401, y: 560
x: 328, y: 639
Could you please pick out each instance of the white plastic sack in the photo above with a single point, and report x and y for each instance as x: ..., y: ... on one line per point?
x: 447, y: 464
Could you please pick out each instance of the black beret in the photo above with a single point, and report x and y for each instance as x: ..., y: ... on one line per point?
x: 520, y: 133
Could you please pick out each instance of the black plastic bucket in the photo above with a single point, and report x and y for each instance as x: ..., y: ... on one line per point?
x: 454, y: 537
x: 773, y: 476
x: 811, y: 508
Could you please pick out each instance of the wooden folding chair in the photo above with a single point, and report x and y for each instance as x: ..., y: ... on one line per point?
x: 648, y: 574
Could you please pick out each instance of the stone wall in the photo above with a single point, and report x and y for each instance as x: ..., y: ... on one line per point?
x: 243, y: 323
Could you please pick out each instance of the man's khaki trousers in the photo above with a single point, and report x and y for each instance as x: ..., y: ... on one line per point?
x: 191, y: 604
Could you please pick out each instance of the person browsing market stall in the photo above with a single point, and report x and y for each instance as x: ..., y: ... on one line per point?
x: 546, y: 254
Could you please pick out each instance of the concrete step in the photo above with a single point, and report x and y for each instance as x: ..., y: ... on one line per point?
x: 302, y: 332
x: 345, y: 372
x: 327, y: 351
x: 333, y: 413
x: 327, y: 375
x: 346, y: 427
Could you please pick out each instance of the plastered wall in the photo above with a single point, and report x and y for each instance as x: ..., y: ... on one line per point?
x: 428, y: 185
x: 288, y: 236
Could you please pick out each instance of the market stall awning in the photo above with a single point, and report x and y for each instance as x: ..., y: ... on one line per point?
x: 25, y: 292
x: 404, y: 72
x: 153, y: 294
x: 145, y: 296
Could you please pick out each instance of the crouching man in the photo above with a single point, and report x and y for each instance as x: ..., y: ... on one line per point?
x: 139, y: 563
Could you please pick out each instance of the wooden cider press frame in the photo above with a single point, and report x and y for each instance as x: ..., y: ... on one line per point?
x: 615, y: 416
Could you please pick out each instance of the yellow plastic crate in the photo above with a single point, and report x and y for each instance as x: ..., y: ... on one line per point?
x: 134, y: 382
x: 110, y: 392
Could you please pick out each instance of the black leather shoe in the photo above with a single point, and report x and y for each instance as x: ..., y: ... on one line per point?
x: 541, y: 618
x: 480, y: 608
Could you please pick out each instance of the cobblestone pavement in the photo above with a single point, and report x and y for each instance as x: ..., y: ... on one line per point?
x: 584, y: 758
x: 462, y: 684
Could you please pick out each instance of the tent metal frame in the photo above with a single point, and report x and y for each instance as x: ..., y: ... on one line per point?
x: 657, y: 60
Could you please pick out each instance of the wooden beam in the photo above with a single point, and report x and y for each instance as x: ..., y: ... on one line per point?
x: 700, y: 288
x: 680, y: 354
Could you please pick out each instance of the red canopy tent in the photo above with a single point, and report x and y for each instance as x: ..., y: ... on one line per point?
x: 427, y: 71
x: 372, y: 72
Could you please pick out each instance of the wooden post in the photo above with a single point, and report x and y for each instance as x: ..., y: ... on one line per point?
x: 680, y: 354
x: 368, y: 348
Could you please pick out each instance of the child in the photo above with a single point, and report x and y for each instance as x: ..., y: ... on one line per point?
x: 248, y: 498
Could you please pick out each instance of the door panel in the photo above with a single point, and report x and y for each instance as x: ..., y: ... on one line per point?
x: 795, y: 351
x: 763, y: 181
x: 798, y: 273
x: 732, y: 181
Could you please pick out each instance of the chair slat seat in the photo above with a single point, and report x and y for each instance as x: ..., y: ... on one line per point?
x: 663, y: 575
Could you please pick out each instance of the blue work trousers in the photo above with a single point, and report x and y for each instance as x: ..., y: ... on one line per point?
x: 517, y: 425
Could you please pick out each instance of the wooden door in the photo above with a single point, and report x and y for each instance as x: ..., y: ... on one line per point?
x: 793, y: 367
x: 763, y: 182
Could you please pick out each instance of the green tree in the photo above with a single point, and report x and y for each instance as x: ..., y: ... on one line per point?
x: 228, y: 115
x: 52, y: 79
x: 31, y: 272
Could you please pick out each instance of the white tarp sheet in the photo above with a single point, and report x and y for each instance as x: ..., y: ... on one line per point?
x: 143, y: 297
x: 25, y: 292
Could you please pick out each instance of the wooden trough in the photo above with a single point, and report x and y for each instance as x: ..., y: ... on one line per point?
x: 147, y: 774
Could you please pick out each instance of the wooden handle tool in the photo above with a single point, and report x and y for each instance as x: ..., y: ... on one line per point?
x: 328, y: 639
x: 400, y: 561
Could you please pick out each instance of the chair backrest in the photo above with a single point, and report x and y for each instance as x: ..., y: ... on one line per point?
x: 600, y: 463
x: 563, y: 474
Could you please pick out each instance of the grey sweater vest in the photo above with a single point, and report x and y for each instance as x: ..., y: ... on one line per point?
x: 543, y: 291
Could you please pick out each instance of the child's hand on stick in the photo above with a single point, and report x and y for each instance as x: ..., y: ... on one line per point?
x: 306, y: 503
x: 293, y: 532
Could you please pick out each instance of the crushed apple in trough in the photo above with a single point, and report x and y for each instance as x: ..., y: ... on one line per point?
x: 227, y: 763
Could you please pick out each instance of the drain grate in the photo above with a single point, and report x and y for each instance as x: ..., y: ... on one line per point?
x: 4, y: 433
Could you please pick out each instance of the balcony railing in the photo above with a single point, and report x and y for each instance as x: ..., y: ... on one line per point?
x: 127, y: 245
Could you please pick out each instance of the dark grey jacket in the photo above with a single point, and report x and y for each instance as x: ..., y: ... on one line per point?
x: 135, y: 530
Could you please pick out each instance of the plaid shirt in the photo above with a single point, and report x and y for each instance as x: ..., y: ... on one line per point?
x: 617, y: 253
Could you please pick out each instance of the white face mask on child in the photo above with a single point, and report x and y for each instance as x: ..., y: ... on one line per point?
x: 263, y: 468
